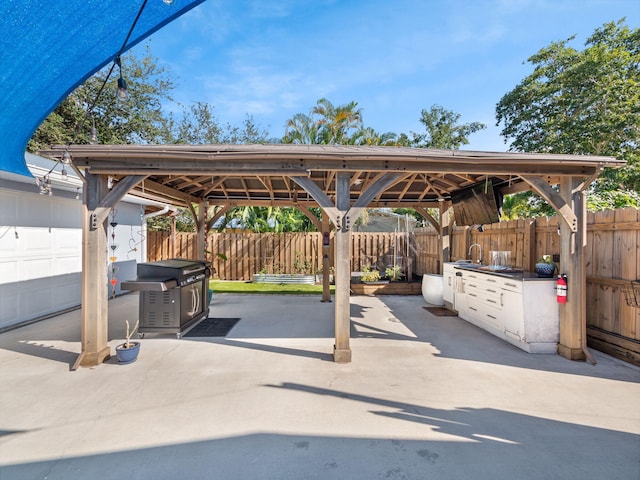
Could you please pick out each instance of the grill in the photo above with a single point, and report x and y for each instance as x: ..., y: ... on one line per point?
x: 173, y: 295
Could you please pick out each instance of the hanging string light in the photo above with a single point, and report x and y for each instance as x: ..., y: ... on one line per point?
x: 122, y: 92
x: 44, y: 183
x: 93, y: 135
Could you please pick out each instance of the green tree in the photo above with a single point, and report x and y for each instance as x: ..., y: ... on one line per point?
x: 369, y: 136
x: 199, y: 125
x: 326, y: 124
x: 301, y: 129
x: 443, y: 130
x: 525, y: 205
x: 139, y: 120
x: 583, y: 102
x: 269, y: 219
x: 337, y: 123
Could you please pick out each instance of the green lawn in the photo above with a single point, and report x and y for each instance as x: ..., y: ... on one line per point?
x: 220, y: 286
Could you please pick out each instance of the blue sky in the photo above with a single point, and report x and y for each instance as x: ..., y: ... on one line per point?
x: 275, y: 59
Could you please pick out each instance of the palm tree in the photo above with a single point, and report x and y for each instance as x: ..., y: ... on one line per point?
x: 301, y: 129
x: 368, y: 136
x: 336, y: 123
x: 326, y: 124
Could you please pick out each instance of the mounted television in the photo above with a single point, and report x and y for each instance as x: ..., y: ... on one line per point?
x: 477, y: 205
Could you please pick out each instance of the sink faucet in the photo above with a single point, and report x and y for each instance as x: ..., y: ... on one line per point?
x: 480, y: 250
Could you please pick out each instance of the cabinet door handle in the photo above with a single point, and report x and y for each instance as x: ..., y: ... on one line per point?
x: 491, y: 280
x: 501, y: 299
x: 510, y: 284
x: 471, y: 308
x: 491, y: 316
x: 491, y: 301
x: 472, y: 295
x: 489, y: 290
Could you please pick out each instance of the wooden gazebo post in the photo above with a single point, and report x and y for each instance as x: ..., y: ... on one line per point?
x: 341, y: 349
x: 571, y: 207
x: 97, y: 204
x: 573, y: 314
x: 94, y: 335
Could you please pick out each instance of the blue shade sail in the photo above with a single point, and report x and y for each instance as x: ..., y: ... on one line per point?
x: 49, y: 47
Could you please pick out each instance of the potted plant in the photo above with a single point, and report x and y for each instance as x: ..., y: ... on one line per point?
x: 369, y: 275
x: 393, y: 273
x: 128, y: 351
x: 545, y: 267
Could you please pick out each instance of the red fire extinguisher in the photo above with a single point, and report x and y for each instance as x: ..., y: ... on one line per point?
x: 561, y: 288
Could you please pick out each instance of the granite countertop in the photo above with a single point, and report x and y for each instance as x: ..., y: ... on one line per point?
x: 512, y: 273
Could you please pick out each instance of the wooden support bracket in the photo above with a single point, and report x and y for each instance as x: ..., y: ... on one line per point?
x: 216, y: 216
x: 429, y: 218
x: 555, y: 200
x: 588, y: 180
x: 321, y: 198
x: 193, y: 214
x: 309, y: 214
x: 117, y: 193
x: 378, y: 186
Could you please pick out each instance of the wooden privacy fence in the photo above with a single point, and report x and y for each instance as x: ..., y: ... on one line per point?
x: 250, y: 253
x: 612, y: 260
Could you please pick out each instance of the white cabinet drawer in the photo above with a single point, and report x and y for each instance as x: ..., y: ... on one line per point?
x: 511, y: 285
x: 481, y: 295
x: 486, y: 313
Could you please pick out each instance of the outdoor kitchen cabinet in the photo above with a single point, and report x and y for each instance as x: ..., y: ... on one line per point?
x: 448, y: 289
x: 519, y: 308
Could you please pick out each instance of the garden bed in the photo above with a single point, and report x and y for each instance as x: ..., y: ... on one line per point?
x: 287, y: 278
x: 391, y: 288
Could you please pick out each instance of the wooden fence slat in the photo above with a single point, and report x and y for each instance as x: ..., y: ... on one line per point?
x: 625, y: 247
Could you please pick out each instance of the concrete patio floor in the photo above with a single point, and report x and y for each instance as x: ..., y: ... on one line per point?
x: 425, y: 397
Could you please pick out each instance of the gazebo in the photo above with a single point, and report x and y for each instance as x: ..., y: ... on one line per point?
x: 341, y: 180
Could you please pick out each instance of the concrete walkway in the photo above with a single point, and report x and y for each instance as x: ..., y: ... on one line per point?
x: 425, y: 397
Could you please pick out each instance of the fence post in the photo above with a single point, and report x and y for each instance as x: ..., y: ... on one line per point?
x: 326, y: 250
x: 467, y: 243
